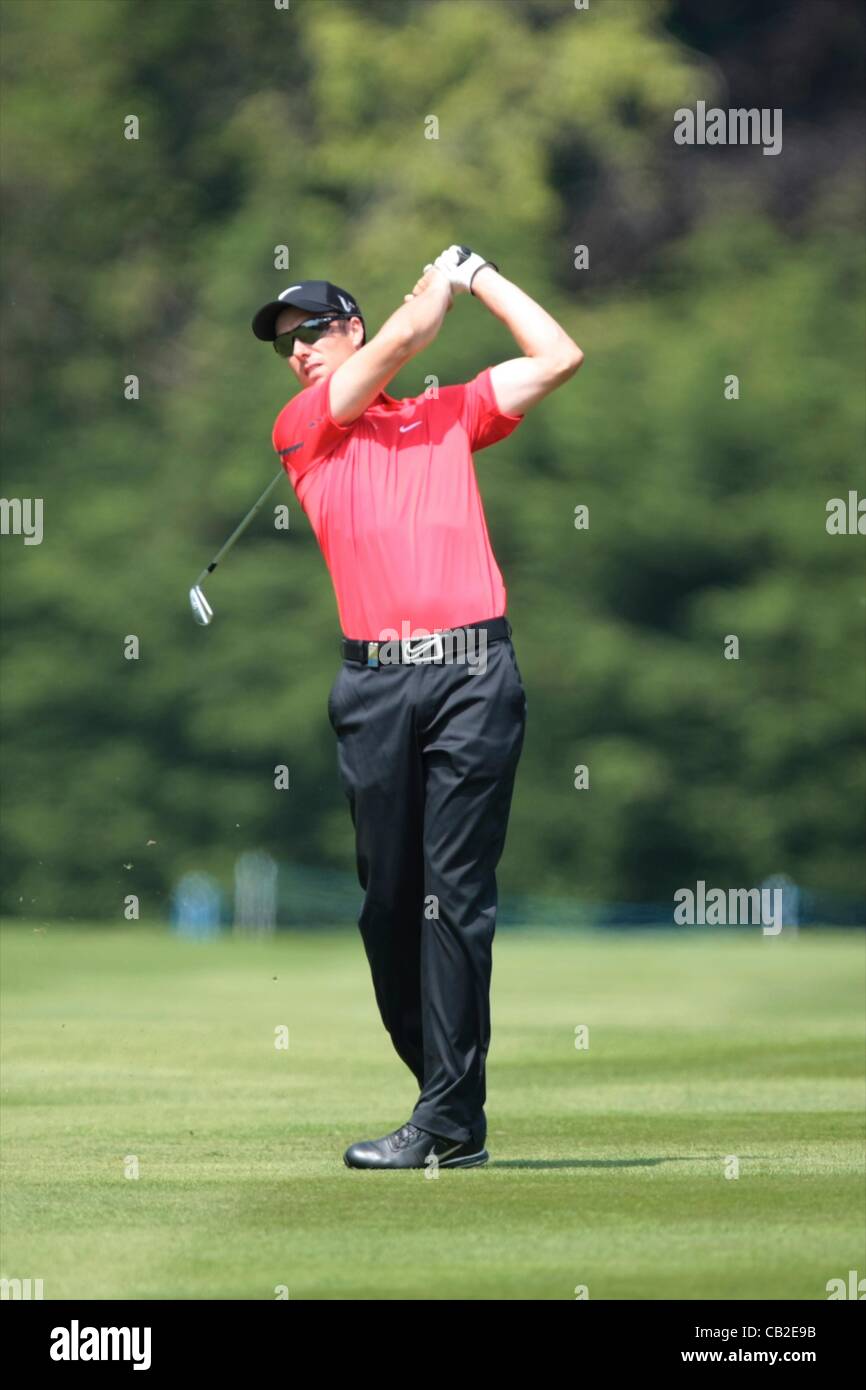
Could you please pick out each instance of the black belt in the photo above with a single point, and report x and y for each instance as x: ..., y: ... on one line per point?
x: 419, y: 651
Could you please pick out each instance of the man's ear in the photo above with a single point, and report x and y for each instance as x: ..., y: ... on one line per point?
x: 357, y: 330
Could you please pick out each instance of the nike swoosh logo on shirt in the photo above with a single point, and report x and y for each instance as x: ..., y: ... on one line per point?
x: 404, y: 428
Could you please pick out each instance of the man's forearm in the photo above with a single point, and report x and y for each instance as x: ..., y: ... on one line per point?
x: 419, y: 318
x: 535, y: 332
x: 357, y: 381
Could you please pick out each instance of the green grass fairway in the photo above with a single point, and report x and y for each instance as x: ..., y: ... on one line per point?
x: 607, y: 1165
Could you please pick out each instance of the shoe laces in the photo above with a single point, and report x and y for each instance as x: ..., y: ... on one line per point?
x: 406, y: 1134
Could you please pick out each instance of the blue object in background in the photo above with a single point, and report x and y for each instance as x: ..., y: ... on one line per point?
x: 196, y: 907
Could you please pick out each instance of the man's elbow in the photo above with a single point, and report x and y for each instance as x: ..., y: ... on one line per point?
x: 568, y: 363
x: 403, y: 341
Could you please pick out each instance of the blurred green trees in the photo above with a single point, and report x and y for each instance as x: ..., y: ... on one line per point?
x: 306, y: 127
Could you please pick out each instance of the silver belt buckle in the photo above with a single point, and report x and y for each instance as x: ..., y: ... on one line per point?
x: 417, y: 650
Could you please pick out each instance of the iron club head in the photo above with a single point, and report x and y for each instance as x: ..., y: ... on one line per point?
x: 201, y: 609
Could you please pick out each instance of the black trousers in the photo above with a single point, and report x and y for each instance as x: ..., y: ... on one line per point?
x: 427, y: 756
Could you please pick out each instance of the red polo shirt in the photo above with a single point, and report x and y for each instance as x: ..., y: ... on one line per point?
x: 394, y: 504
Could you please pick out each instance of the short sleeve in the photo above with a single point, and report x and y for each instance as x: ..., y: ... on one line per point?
x: 305, y: 432
x: 485, y: 423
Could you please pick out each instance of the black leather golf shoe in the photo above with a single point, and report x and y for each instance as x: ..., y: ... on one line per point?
x: 410, y: 1147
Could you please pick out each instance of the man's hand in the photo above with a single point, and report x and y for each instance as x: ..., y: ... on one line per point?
x: 431, y: 276
x: 461, y: 265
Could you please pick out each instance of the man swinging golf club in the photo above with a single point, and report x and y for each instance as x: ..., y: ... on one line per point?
x: 428, y: 734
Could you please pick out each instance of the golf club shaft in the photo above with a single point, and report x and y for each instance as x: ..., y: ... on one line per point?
x: 239, y: 530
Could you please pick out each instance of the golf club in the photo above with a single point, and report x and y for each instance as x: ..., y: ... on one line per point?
x: 201, y: 609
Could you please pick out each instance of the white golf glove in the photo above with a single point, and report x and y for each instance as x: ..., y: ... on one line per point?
x: 461, y: 266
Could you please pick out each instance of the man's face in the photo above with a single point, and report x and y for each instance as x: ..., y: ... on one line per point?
x: 310, y: 362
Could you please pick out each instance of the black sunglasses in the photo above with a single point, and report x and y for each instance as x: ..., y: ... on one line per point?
x: 310, y: 331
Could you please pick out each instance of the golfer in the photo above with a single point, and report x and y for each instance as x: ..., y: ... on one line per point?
x: 428, y: 706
